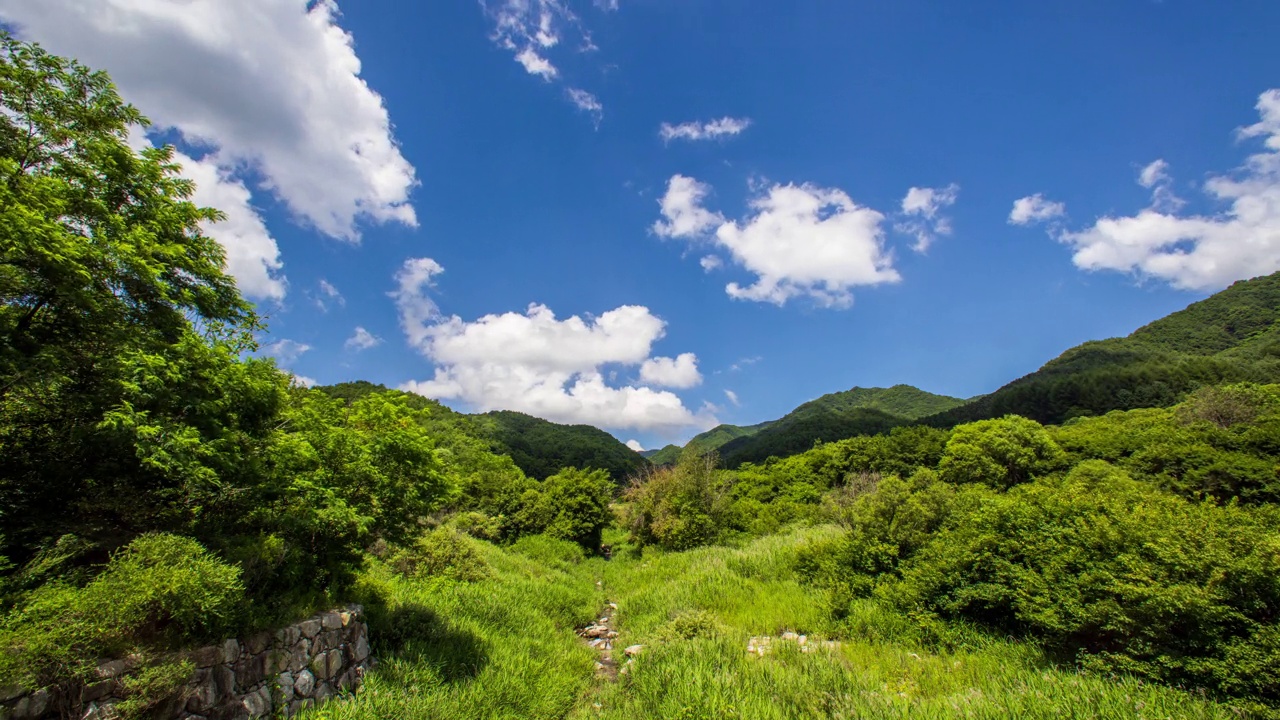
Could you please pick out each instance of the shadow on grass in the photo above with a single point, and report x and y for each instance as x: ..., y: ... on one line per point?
x: 418, y: 635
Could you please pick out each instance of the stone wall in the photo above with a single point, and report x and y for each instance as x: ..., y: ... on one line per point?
x: 266, y: 675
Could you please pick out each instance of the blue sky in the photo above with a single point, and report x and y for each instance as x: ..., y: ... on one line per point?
x: 498, y: 169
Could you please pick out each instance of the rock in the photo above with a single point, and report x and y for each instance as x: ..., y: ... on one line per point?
x: 346, y: 618
x: 258, y: 643
x: 298, y: 706
x: 359, y: 649
x: 633, y: 650
x: 613, y: 606
x: 276, y: 661
x: 612, y: 634
x: 323, y: 692
x: 96, y: 691
x: 300, y: 656
x: 257, y: 704
x: 283, y: 694
x: 105, y: 711
x: 790, y: 636
x: 203, y: 693
x: 304, y: 683
x: 310, y: 628
x: 230, y: 651
x: 331, y: 621
x: 595, y: 631
x: 251, y: 670
x: 225, y: 680
x: 31, y: 706
x: 207, y: 656
x: 288, y: 637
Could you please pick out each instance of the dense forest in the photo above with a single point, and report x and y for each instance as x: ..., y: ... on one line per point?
x: 1098, y: 539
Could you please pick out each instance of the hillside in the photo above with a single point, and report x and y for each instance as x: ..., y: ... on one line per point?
x: 713, y: 439
x: 539, y: 447
x: 1228, y: 337
x: 859, y: 411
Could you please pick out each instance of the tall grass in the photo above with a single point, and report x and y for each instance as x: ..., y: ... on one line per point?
x: 504, y: 648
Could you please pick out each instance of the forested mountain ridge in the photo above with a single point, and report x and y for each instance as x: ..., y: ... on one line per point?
x: 1231, y: 336
x: 835, y: 416
x: 713, y: 439
x: 540, y: 448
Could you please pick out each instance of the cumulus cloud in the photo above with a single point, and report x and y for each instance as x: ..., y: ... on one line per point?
x: 685, y: 217
x: 268, y: 86
x: 921, y: 212
x: 709, y: 130
x: 417, y: 310
x: 303, y: 380
x: 799, y: 240
x: 536, y: 363
x: 535, y: 64
x: 253, y: 258
x: 678, y: 372
x: 362, y: 339
x: 1034, y: 209
x: 285, y: 350
x: 710, y: 262
x: 1197, y: 251
x: 635, y: 445
x: 733, y: 397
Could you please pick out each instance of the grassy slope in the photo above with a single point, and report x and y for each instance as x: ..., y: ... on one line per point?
x: 504, y: 648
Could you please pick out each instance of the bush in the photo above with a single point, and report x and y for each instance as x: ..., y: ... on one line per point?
x: 1000, y: 453
x: 1121, y: 575
x: 677, y: 508
x: 160, y: 592
x: 443, y: 552
x: 573, y: 505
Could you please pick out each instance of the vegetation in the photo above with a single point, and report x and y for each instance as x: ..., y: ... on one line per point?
x: 860, y: 411
x: 161, y: 488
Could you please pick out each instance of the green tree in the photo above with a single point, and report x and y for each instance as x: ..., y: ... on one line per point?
x: 108, y: 286
x: 1000, y: 453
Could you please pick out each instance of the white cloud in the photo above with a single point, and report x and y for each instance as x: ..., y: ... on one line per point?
x: 303, y: 380
x: 1034, y: 208
x: 362, y: 340
x: 253, y: 258
x: 635, y: 445
x: 710, y: 130
x: 1154, y: 173
x: 285, y: 350
x: 678, y: 372
x: 535, y: 363
x: 682, y: 208
x: 1198, y: 252
x: 1156, y: 178
x: 921, y: 208
x: 733, y: 397
x: 272, y: 86
x: 330, y: 292
x: 417, y: 310
x: 745, y: 362
x: 710, y: 262
x: 799, y: 240
x: 535, y: 64
x: 587, y: 103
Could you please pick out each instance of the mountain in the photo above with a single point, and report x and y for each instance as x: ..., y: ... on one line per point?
x: 539, y: 447
x: 1229, y: 337
x: 859, y: 411
x: 667, y: 455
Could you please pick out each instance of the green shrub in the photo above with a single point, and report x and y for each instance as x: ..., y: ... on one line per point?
x: 677, y: 508
x: 1116, y: 572
x: 1000, y: 453
x: 479, y: 525
x: 574, y: 505
x: 443, y: 552
x: 690, y: 624
x: 160, y: 592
